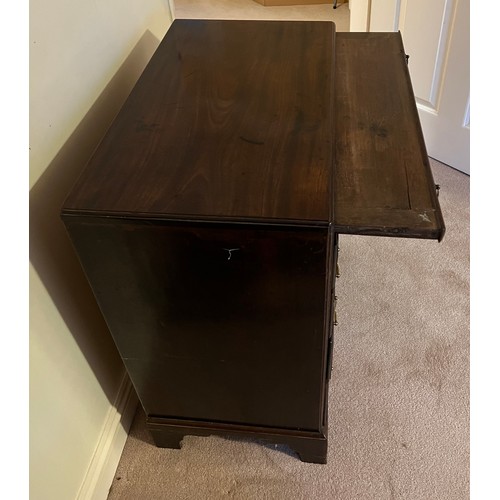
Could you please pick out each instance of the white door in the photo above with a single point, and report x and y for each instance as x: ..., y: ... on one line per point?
x: 436, y: 37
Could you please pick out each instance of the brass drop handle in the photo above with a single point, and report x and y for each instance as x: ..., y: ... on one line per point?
x: 438, y: 187
x: 337, y: 271
x: 335, y: 322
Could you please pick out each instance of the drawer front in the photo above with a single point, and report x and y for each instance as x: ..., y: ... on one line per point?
x: 215, y: 323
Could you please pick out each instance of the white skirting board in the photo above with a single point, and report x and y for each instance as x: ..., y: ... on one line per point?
x: 102, y: 468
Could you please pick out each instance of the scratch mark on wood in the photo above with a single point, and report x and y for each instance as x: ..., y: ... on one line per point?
x: 250, y: 141
x: 230, y: 250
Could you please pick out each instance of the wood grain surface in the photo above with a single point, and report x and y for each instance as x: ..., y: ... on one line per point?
x: 230, y: 119
x: 383, y: 184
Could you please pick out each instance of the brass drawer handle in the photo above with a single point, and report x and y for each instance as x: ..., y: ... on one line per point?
x: 335, y: 322
x: 337, y: 270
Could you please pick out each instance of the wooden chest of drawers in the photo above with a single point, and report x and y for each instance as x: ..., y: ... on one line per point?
x: 207, y: 220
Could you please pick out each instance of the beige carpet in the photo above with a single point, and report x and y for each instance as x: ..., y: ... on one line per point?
x: 248, y: 9
x: 399, y: 399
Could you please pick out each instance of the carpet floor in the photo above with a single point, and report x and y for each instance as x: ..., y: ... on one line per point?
x: 249, y: 9
x: 398, y: 398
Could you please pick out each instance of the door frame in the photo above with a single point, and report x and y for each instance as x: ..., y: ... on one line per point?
x: 366, y: 18
x: 360, y: 15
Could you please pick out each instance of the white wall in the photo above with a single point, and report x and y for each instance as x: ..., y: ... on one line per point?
x: 359, y: 20
x: 384, y: 15
x: 84, y: 59
x: 373, y: 15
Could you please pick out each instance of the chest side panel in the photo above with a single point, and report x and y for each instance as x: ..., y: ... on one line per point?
x: 219, y: 324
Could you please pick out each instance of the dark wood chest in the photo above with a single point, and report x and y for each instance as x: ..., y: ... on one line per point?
x: 207, y: 220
